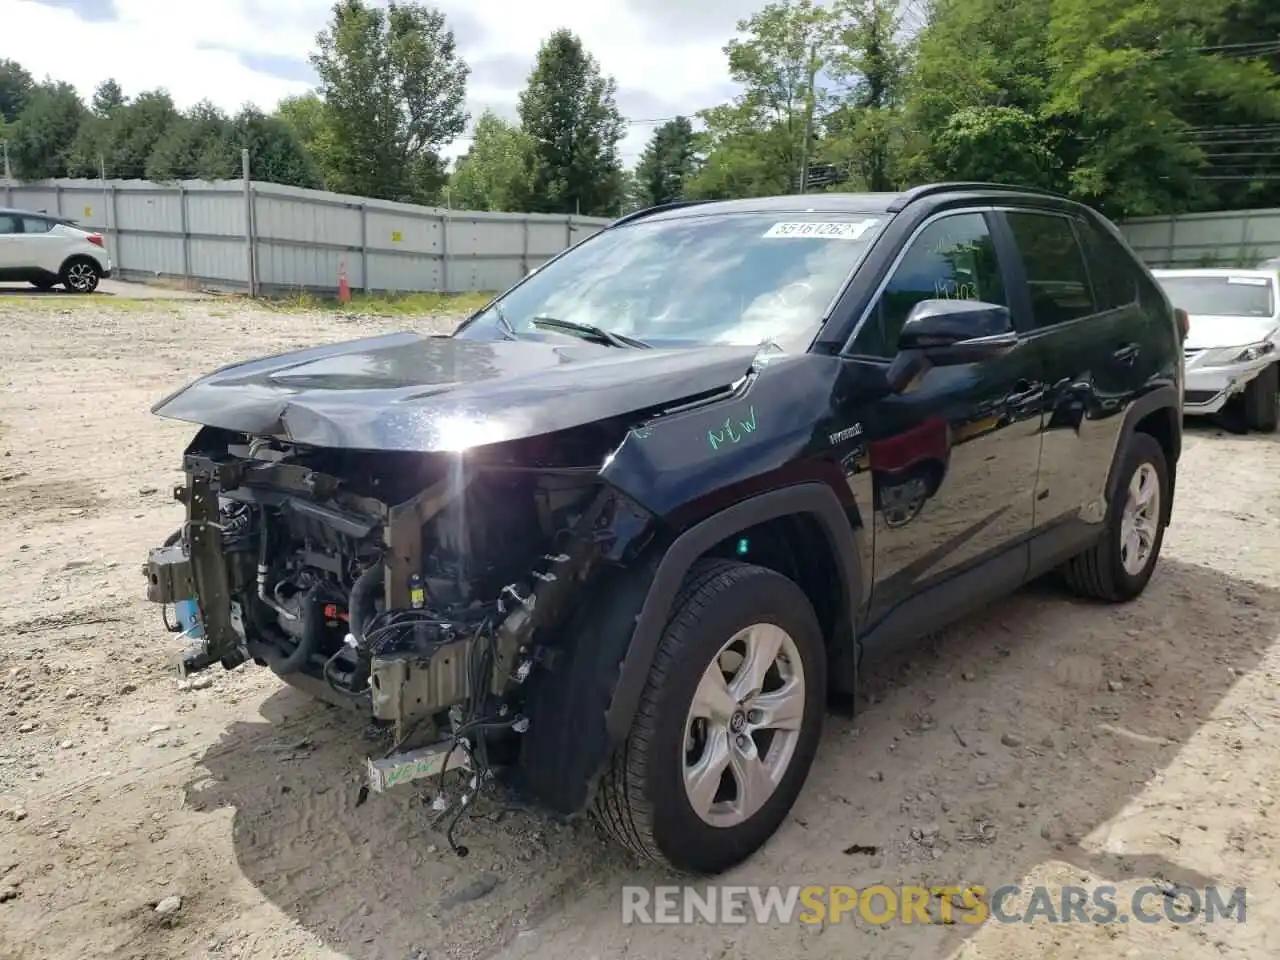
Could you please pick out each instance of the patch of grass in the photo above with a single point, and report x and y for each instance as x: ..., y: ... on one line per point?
x: 386, y: 304
x: 97, y: 301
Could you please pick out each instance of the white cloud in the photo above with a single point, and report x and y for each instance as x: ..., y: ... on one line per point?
x: 194, y: 49
x: 154, y: 43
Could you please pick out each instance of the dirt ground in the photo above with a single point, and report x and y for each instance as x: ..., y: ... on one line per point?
x: 1045, y: 740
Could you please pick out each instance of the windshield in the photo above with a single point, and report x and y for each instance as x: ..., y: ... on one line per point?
x: 730, y: 278
x: 1221, y: 296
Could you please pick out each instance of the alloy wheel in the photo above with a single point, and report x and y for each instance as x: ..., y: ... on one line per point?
x: 1140, y: 520
x: 743, y: 725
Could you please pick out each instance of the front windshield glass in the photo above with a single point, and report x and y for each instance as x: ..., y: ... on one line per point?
x: 727, y: 278
x: 1221, y: 296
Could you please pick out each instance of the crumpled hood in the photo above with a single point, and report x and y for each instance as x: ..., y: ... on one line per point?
x: 409, y: 392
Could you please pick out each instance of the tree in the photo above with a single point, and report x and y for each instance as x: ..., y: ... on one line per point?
x: 1122, y: 73
x: 994, y: 144
x: 667, y: 162
x: 978, y: 53
x: 1239, y: 139
x: 308, y: 117
x: 569, y: 111
x: 760, y: 143
x: 132, y: 131
x: 107, y: 98
x: 864, y: 130
x: 393, y: 86
x: 205, y: 144
x: 40, y: 146
x: 15, y: 87
x: 496, y: 173
x: 201, y: 146
x: 275, y: 153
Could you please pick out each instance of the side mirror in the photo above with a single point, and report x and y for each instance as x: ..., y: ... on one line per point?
x: 951, y: 332
x: 946, y: 333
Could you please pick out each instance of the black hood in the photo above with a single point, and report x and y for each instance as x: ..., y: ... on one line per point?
x: 409, y: 392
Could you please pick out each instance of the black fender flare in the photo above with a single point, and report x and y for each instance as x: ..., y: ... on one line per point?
x: 813, y: 498
x: 1164, y: 397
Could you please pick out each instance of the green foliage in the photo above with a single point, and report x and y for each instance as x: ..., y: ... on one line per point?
x: 45, y: 132
x: 309, y: 119
x: 665, y: 165
x: 496, y: 173
x: 864, y: 130
x: 994, y: 144
x: 1113, y: 101
x: 393, y: 86
x: 569, y: 112
x: 108, y: 97
x: 276, y: 155
x: 200, y: 146
x: 1135, y: 106
x: 756, y: 145
x: 15, y: 88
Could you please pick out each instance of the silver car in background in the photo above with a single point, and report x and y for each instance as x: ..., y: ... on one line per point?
x: 1232, y: 351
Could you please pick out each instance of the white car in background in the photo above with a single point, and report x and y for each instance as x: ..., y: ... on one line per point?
x: 1233, y: 347
x: 45, y: 251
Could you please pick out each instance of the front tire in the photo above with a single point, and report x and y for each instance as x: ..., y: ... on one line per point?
x: 81, y: 275
x: 1261, y: 405
x: 1118, y: 567
x: 728, y: 724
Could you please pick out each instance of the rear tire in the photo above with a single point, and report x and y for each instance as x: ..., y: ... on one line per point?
x: 673, y: 792
x: 1111, y: 570
x: 1261, y: 404
x: 81, y: 275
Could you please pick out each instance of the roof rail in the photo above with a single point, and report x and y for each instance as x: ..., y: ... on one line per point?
x: 649, y: 211
x: 913, y: 194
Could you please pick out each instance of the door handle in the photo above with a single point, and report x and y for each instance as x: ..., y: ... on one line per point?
x: 1127, y: 354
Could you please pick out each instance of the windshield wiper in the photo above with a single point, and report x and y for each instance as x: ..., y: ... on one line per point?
x: 508, y: 331
x: 590, y: 332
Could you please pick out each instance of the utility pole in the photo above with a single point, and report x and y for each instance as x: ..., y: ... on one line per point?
x: 808, y: 118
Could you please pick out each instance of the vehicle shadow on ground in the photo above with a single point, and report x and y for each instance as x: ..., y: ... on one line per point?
x: 1012, y: 734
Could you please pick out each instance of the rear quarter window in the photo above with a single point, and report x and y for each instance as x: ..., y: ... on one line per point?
x: 1117, y: 278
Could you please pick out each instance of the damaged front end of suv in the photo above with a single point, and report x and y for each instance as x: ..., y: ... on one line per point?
x: 402, y: 546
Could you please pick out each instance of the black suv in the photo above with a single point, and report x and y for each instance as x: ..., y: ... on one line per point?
x: 625, y: 533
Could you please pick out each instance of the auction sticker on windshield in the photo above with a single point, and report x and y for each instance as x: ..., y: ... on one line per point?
x: 849, y: 230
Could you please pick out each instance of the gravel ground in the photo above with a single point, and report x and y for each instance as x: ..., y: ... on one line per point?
x: 1045, y: 740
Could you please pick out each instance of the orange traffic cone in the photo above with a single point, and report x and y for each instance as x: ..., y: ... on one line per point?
x: 344, y: 288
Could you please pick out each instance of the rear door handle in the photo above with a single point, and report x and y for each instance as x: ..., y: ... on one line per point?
x: 1127, y: 354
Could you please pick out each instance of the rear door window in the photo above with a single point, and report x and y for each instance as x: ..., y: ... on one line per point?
x: 36, y: 225
x: 1054, y: 266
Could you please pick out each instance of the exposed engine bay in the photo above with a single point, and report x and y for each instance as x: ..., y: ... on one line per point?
x: 409, y: 586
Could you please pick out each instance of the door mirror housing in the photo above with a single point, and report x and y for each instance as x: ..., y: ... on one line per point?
x: 948, y: 333
x: 937, y: 327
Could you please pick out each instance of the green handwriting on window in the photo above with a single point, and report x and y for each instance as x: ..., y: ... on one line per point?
x: 732, y: 431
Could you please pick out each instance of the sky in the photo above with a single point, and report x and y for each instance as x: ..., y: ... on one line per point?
x: 666, y: 55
